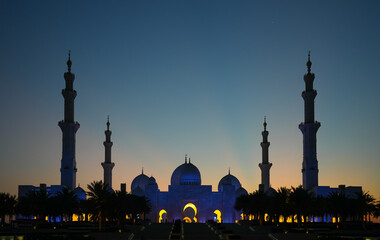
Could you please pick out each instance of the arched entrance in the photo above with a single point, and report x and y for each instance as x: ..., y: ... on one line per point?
x: 190, y: 213
x: 163, y: 216
x: 217, y: 216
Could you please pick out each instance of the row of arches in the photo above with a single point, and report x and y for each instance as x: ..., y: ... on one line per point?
x: 189, y: 213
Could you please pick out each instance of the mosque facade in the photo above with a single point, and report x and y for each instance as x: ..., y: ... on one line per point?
x: 187, y: 199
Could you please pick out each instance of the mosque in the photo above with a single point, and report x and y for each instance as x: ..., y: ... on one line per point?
x: 187, y: 199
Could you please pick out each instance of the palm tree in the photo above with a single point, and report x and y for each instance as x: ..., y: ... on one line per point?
x: 338, y: 205
x: 68, y: 203
x: 319, y: 207
x: 7, y: 206
x: 259, y: 204
x: 35, y: 203
x: 138, y: 205
x: 120, y: 201
x: 300, y: 202
x: 281, y: 203
x: 99, y: 197
x: 242, y: 203
x: 364, y: 206
x: 376, y: 212
x: 11, y: 203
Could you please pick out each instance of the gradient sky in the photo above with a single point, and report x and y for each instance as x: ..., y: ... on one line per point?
x: 190, y: 77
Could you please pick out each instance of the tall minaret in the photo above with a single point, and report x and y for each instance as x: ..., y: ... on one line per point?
x: 107, y: 164
x: 309, y: 130
x: 69, y: 128
x: 265, y: 165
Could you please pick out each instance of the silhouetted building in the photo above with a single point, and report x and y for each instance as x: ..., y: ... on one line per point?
x: 69, y: 128
x: 309, y: 130
x: 265, y: 165
x: 107, y: 164
x: 68, y: 164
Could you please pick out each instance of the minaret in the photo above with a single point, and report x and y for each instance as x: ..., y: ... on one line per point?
x: 309, y: 130
x: 107, y: 164
x: 265, y: 165
x: 69, y: 128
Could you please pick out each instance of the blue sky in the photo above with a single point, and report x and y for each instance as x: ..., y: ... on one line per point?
x: 190, y: 77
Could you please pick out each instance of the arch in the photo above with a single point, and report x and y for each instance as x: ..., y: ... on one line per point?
x: 218, y: 217
x: 162, y: 216
x: 188, y: 219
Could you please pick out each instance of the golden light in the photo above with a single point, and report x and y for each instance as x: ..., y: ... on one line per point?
x: 192, y: 206
x: 160, y: 214
x: 218, y: 216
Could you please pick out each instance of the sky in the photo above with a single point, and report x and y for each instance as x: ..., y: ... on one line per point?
x: 190, y: 77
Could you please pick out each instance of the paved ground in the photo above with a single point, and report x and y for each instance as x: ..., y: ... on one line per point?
x: 192, y: 231
x: 211, y: 231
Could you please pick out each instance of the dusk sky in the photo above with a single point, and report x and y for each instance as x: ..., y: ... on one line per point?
x: 190, y: 77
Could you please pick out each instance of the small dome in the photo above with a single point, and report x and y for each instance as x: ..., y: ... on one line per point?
x: 80, y: 193
x: 241, y: 191
x: 152, y: 182
x: 138, y: 191
x: 140, y: 181
x: 186, y: 174
x: 229, y: 180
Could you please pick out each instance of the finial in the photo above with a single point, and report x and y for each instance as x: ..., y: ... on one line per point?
x: 265, y: 123
x: 142, y: 170
x: 229, y: 171
x: 185, y: 158
x: 189, y: 160
x: 69, y: 63
x: 108, y: 123
x: 308, y: 64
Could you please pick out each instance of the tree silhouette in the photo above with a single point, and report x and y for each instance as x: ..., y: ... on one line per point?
x: 35, y: 203
x: 99, y: 198
x: 300, y: 202
x: 67, y: 202
x: 7, y: 206
x: 281, y: 203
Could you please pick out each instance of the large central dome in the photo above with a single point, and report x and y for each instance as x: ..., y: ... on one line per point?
x: 186, y: 174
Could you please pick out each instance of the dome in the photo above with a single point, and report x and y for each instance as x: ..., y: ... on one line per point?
x: 241, y: 191
x: 140, y: 181
x: 229, y: 180
x: 152, y: 182
x: 186, y: 174
x: 138, y: 191
x: 80, y: 193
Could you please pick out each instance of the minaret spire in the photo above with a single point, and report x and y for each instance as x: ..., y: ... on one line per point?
x: 265, y: 165
x: 309, y: 130
x: 69, y: 63
x: 107, y: 164
x: 69, y: 128
x: 308, y: 64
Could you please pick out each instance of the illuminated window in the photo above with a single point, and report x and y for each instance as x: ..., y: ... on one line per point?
x: 190, y: 212
x: 162, y: 216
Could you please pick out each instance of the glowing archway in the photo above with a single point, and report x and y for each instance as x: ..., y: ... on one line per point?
x: 162, y: 216
x: 186, y: 218
x: 218, y: 216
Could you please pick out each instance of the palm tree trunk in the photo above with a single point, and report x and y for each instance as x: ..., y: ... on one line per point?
x: 100, y: 220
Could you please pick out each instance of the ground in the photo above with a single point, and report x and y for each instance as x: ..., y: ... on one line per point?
x: 199, y: 231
